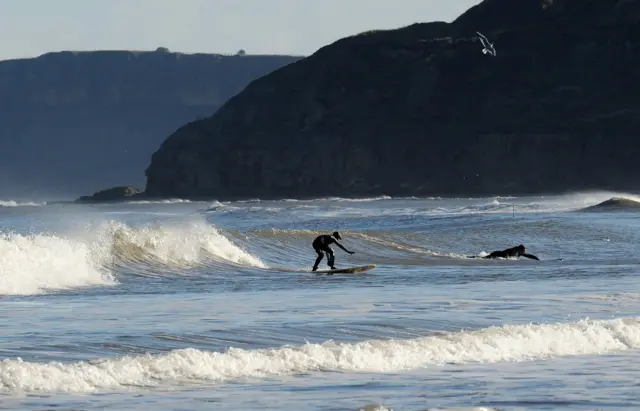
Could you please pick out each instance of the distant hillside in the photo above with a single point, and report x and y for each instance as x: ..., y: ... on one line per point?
x: 422, y: 111
x: 74, y: 121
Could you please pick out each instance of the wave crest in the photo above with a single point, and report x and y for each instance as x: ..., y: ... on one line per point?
x: 615, y: 204
x: 493, y: 344
x: 179, y: 244
x: 35, y: 264
x: 12, y: 203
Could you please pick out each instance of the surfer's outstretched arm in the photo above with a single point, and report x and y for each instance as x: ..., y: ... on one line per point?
x: 340, y: 245
x: 531, y: 256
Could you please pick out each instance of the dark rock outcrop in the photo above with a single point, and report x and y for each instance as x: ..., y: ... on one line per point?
x: 74, y: 121
x: 113, y: 194
x: 421, y: 111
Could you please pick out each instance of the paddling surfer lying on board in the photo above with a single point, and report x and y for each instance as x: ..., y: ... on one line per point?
x: 517, y: 252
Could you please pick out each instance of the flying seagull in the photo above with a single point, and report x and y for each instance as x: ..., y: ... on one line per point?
x: 488, y: 47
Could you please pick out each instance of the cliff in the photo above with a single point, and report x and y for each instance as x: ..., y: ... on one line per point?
x: 74, y: 121
x: 422, y: 111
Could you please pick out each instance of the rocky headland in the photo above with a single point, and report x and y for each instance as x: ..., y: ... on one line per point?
x: 71, y: 122
x: 111, y: 195
x: 420, y: 110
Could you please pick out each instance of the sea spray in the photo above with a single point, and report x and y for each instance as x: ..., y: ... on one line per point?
x: 180, y: 243
x: 35, y: 264
x: 38, y: 263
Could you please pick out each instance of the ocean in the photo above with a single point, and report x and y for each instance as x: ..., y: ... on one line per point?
x: 181, y: 305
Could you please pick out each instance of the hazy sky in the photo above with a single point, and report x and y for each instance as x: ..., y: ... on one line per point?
x: 29, y: 28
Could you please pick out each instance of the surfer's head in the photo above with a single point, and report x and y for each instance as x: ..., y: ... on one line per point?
x: 336, y: 235
x: 521, y: 248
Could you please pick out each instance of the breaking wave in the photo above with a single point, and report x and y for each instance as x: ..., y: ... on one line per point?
x: 40, y: 263
x: 509, y: 343
x: 193, y: 243
x: 12, y: 203
x: 615, y: 204
x: 36, y: 264
x: 166, y: 201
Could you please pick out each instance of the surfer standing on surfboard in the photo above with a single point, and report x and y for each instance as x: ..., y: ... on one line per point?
x: 321, y: 244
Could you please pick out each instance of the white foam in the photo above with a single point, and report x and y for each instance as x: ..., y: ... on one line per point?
x: 357, y: 200
x: 184, y: 242
x: 375, y: 407
x: 463, y: 409
x: 215, y: 204
x: 35, y: 264
x: 166, y: 201
x: 11, y: 203
x: 494, y: 344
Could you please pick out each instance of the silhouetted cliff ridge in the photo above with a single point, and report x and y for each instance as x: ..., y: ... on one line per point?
x: 421, y: 111
x: 74, y: 121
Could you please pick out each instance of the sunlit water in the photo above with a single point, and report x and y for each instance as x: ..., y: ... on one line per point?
x: 200, y: 306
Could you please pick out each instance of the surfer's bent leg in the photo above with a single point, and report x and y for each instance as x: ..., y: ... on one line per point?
x: 330, y: 257
x: 320, y: 255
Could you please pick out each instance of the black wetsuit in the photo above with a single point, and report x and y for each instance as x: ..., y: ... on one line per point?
x: 517, y: 251
x: 320, y: 245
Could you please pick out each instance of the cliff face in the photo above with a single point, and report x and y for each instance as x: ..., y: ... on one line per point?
x: 74, y: 121
x: 421, y: 111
